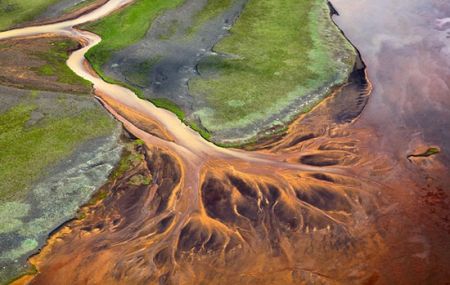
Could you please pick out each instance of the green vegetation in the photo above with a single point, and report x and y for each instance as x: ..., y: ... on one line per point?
x: 279, y: 51
x: 139, y: 179
x: 13, y: 12
x: 171, y: 30
x: 174, y: 108
x: 28, y: 149
x: 212, y: 9
x: 139, y: 74
x: 29, y: 270
x: 169, y: 105
x: 123, y: 29
x: 55, y: 65
x: 129, y: 159
x: 97, y: 197
x: 282, y: 50
x: 199, y: 129
x: 429, y: 152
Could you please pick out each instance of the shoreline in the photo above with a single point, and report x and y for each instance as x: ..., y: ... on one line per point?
x: 278, y: 132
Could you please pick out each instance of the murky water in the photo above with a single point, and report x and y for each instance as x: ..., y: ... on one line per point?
x: 406, y: 45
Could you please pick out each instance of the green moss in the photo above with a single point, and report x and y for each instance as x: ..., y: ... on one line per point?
x: 124, y: 28
x: 174, y: 108
x: 55, y: 65
x: 13, y: 12
x: 81, y: 215
x: 250, y: 144
x: 169, y: 105
x: 29, y: 270
x: 97, y: 197
x: 171, y: 30
x: 46, y: 70
x: 199, y: 129
x: 130, y: 158
x: 139, y: 74
x: 122, y: 167
x: 429, y: 152
x: 27, y: 151
x: 140, y: 179
x: 139, y: 142
x: 281, y: 51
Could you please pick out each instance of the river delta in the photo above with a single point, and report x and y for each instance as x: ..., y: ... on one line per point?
x: 224, y: 142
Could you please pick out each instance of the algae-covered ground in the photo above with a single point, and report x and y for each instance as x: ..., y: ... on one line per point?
x: 57, y: 143
x: 124, y: 28
x: 40, y: 64
x: 19, y: 12
x: 277, y: 52
x: 56, y: 149
x: 236, y: 69
x: 13, y: 12
x: 39, y: 131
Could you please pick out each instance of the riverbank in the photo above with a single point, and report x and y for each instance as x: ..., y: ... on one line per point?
x: 57, y: 144
x: 183, y: 56
x: 40, y: 64
x: 17, y: 13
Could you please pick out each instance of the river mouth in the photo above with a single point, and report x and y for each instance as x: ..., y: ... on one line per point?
x: 316, y: 205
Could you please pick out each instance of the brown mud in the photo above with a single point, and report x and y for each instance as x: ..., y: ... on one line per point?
x: 246, y: 223
x: 23, y: 72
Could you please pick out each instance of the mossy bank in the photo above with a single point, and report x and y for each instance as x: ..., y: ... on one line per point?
x: 237, y: 70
